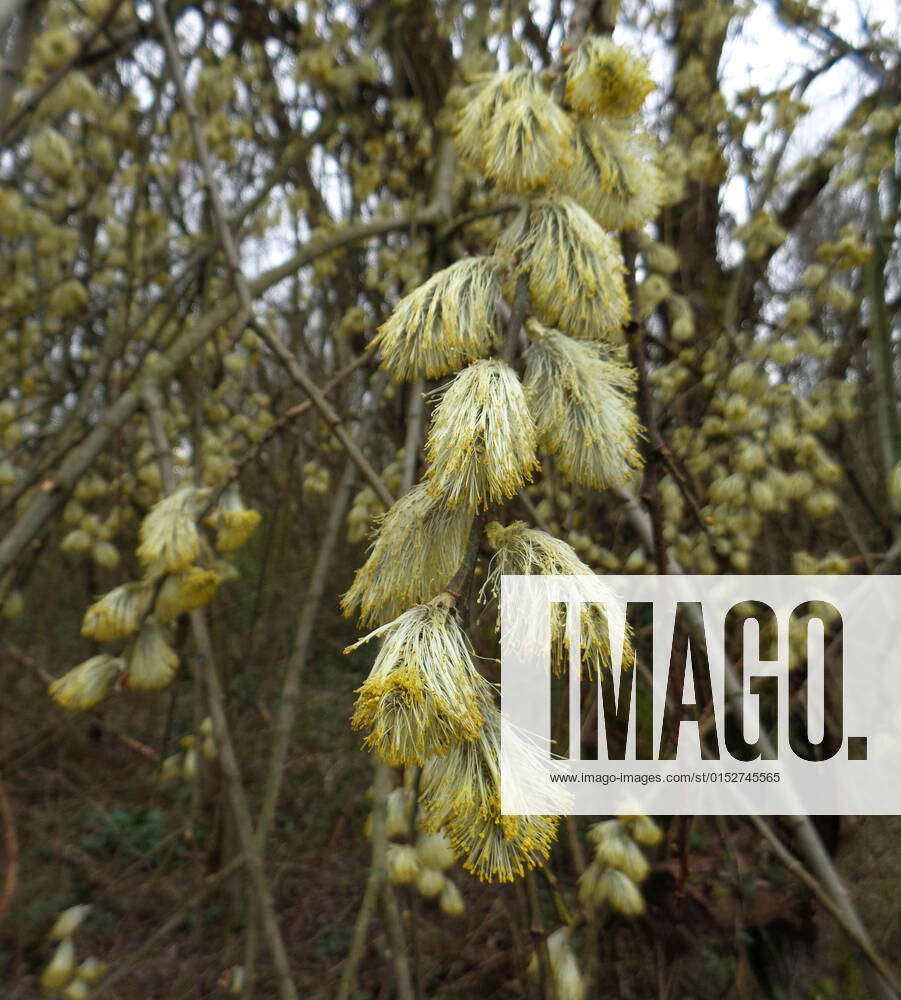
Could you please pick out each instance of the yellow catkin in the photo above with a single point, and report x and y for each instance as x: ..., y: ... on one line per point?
x: 117, y: 614
x: 417, y: 550
x: 613, y: 174
x: 528, y: 140
x: 604, y: 78
x: 184, y: 591
x: 461, y: 791
x: 423, y: 694
x: 481, y: 445
x: 451, y: 900
x: 575, y: 269
x: 445, y: 323
x: 599, y: 886
x: 581, y: 403
x: 612, y: 879
x: 481, y: 101
x: 169, y: 536
x: 88, y: 684
x: 151, y: 663
x: 568, y: 983
x: 524, y: 551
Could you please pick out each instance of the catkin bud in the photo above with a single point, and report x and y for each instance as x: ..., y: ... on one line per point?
x: 451, y: 901
x: 91, y: 970
x: 62, y: 965
x: 105, y: 554
x: 398, y: 810
x: 68, y: 922
x: 76, y: 990
x: 403, y: 865
x: 434, y: 850
x: 171, y: 768
x: 429, y: 883
x: 13, y: 606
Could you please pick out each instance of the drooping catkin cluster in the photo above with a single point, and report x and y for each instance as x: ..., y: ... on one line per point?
x: 61, y: 976
x: 418, y: 856
x: 174, y: 583
x: 619, y: 866
x: 196, y: 747
x: 424, y: 700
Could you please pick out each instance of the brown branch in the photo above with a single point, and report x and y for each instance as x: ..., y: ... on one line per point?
x: 11, y: 841
x: 799, y: 871
x: 650, y: 493
x: 378, y: 875
x: 539, y: 938
x: 12, y: 67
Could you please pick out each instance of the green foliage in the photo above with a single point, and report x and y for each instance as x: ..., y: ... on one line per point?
x: 130, y: 834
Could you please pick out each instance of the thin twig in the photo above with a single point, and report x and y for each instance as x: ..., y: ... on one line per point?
x: 381, y: 786
x: 799, y: 871
x: 539, y: 938
x: 194, y: 899
x: 395, y: 928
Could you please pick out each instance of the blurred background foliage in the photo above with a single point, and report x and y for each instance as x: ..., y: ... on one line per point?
x: 767, y: 291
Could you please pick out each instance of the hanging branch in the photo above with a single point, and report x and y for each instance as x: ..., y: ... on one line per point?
x: 230, y: 768
x: 290, y: 690
x: 809, y: 842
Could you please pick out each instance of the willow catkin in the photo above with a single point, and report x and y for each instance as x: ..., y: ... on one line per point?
x: 169, y: 537
x: 529, y: 140
x: 603, y: 78
x: 423, y: 694
x: 481, y: 102
x: 417, y: 549
x: 582, y: 406
x: 612, y: 174
x: 151, y: 662
x: 88, y: 684
x: 117, y: 614
x: 481, y: 444
x: 461, y: 792
x: 524, y: 551
x: 445, y: 323
x: 574, y: 269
